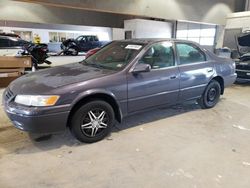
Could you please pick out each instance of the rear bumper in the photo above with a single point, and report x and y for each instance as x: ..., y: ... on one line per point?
x: 34, y: 122
x: 229, y: 80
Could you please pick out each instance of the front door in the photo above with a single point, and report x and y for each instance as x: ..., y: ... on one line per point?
x: 160, y: 85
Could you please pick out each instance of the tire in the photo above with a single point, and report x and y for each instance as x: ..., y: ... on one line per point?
x: 101, y: 124
x: 47, y: 62
x: 211, y: 95
x: 75, y: 51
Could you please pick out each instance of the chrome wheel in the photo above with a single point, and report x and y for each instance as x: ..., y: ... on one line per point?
x: 94, y: 122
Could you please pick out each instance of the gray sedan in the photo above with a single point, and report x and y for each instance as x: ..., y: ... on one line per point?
x: 123, y: 78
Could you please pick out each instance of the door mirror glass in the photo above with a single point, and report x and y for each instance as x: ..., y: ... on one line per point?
x: 141, y: 67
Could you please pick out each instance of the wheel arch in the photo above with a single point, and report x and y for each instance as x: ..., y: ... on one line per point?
x: 97, y: 95
x: 221, y: 82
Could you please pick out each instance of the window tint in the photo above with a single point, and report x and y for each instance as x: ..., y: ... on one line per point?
x: 15, y: 42
x: 4, y: 42
x: 189, y: 54
x: 80, y: 38
x: 96, y: 38
x: 91, y: 38
x: 160, y: 55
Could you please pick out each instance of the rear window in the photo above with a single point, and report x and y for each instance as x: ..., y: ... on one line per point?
x: 4, y: 43
x: 15, y: 42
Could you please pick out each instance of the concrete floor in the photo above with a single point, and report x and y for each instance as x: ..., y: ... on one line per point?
x: 179, y: 147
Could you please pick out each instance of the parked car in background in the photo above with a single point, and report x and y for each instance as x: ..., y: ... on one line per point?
x: 123, y: 78
x: 243, y: 64
x: 82, y: 43
x: 12, y: 42
x: 38, y: 54
x: 91, y: 52
x: 10, y: 35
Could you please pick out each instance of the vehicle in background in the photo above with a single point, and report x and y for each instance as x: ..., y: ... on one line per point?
x: 91, y: 52
x: 10, y: 35
x: 38, y: 53
x: 123, y: 78
x: 243, y: 63
x: 7, y: 42
x: 82, y: 43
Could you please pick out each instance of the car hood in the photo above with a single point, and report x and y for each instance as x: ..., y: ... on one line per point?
x: 46, y: 80
x: 243, y: 43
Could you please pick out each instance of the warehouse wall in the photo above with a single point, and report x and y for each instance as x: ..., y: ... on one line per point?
x: 212, y: 11
x: 29, y: 12
x: 148, y: 28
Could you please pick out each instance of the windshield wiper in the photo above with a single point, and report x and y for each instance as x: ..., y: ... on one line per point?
x: 96, y: 65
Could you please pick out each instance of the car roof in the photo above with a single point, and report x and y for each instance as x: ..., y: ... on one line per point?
x: 153, y: 40
x: 11, y: 38
x: 8, y: 37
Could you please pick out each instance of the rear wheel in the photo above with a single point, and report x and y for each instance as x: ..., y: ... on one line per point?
x: 93, y: 121
x: 74, y: 51
x: 211, y: 95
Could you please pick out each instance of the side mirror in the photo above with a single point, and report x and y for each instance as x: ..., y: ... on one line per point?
x: 141, y: 67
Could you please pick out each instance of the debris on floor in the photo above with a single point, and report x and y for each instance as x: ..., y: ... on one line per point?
x: 241, y: 127
x: 246, y: 163
x: 181, y: 172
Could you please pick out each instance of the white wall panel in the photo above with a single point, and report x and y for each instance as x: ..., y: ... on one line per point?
x: 148, y: 28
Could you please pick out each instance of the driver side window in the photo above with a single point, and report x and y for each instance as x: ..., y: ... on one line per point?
x: 159, y: 55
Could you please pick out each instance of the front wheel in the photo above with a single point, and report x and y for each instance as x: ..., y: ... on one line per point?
x: 92, y: 121
x: 211, y: 95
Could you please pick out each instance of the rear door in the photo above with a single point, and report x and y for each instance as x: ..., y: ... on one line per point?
x: 94, y: 42
x: 195, y: 70
x: 160, y: 85
x: 83, y: 43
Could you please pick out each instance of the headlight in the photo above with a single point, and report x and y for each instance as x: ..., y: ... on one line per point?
x: 37, y: 100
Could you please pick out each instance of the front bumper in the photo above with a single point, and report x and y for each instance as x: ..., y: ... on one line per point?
x: 243, y: 75
x: 38, y: 120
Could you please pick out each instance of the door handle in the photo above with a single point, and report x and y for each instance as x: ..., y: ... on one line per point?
x: 173, y: 77
x: 209, y: 70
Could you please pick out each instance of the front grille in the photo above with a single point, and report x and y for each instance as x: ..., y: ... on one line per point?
x: 243, y: 74
x: 243, y: 67
x: 9, y: 95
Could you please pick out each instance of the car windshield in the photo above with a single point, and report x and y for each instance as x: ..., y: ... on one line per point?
x: 115, y: 55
